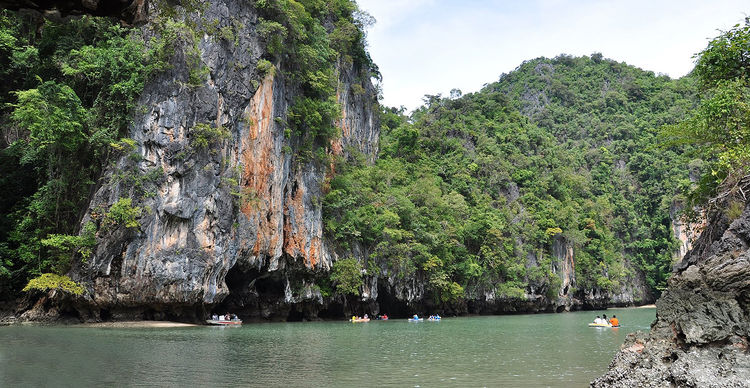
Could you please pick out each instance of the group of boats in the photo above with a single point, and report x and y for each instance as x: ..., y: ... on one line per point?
x: 432, y: 318
x: 233, y: 320
x: 415, y: 318
x: 366, y: 318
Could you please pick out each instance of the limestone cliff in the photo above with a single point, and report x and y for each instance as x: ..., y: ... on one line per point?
x: 700, y: 336
x: 226, y: 193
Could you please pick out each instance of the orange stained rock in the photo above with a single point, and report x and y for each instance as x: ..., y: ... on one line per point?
x: 295, y: 243
x: 258, y: 157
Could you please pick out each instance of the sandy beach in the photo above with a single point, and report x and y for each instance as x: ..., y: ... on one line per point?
x: 138, y: 324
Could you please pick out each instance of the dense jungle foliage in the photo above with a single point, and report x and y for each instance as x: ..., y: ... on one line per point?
x: 68, y: 89
x: 473, y: 191
x: 719, y: 129
x: 71, y: 89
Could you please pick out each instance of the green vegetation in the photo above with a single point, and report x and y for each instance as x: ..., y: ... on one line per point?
x: 50, y: 281
x: 70, y: 91
x: 719, y: 129
x: 346, y: 274
x: 203, y: 135
x: 472, y: 193
x: 64, y: 104
x: 469, y: 194
x: 124, y: 213
x: 313, y: 37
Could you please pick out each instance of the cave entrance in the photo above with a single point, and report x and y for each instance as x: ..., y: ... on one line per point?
x: 334, y: 310
x: 390, y: 305
x: 252, y: 293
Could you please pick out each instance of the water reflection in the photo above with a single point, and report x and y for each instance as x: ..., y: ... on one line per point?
x: 519, y: 351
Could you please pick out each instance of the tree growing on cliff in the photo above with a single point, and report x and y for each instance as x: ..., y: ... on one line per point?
x: 720, y: 126
x: 347, y: 276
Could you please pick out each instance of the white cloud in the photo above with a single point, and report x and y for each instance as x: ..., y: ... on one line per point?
x: 432, y: 46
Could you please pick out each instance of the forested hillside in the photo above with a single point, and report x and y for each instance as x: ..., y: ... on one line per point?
x: 200, y: 152
x: 472, y: 192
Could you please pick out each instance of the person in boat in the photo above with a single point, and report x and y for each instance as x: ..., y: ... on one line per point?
x: 367, y: 316
x: 604, y: 319
x: 598, y: 320
x: 415, y: 317
x: 384, y: 316
x: 437, y: 316
x: 614, y: 321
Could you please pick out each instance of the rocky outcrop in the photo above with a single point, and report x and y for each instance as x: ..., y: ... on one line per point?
x: 685, y: 231
x: 229, y: 202
x: 128, y: 11
x: 700, y: 336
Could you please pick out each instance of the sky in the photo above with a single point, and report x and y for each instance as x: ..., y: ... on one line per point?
x: 433, y: 46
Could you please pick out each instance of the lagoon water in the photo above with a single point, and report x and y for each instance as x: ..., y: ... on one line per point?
x: 556, y: 350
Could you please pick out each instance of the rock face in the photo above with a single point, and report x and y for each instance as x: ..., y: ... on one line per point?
x: 700, y: 336
x: 399, y: 296
x: 229, y: 201
x: 684, y: 231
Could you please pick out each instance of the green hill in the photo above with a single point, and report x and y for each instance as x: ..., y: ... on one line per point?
x: 470, y: 193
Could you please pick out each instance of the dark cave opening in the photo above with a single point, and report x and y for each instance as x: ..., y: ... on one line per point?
x: 295, y: 315
x: 252, y: 293
x: 334, y: 310
x: 391, y: 306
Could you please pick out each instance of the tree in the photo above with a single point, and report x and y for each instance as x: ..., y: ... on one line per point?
x: 720, y: 126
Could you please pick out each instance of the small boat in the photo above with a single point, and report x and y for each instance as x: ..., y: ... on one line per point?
x: 224, y: 322
x: 433, y: 319
x: 355, y: 320
x: 416, y: 319
x: 602, y: 325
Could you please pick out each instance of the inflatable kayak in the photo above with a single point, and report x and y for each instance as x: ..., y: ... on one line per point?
x: 416, y: 320
x: 602, y: 325
x: 361, y: 320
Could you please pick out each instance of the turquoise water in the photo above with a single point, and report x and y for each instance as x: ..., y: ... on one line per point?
x: 538, y: 350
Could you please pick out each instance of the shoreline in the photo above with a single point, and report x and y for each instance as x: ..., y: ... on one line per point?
x: 136, y: 324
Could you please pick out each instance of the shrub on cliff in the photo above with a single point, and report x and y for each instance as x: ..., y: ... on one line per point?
x: 50, y: 281
x: 346, y: 274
